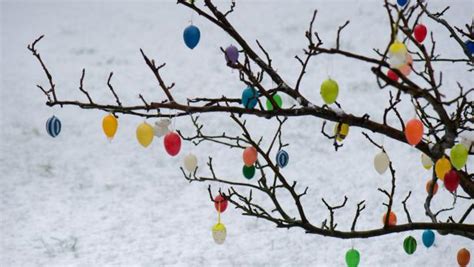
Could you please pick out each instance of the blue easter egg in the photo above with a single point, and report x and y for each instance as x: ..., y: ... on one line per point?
x: 53, y: 126
x: 191, y: 36
x: 249, y: 97
x: 470, y: 46
x: 428, y: 238
x: 402, y: 2
x: 282, y: 158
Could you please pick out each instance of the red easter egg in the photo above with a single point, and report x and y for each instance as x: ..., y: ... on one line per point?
x: 414, y: 131
x: 420, y: 32
x: 172, y: 143
x: 220, y: 200
x: 392, y: 75
x: 250, y: 156
x: 451, y: 180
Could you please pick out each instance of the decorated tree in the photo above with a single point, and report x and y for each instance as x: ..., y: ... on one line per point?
x: 406, y: 68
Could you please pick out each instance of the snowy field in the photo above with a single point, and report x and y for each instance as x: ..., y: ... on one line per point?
x: 78, y: 200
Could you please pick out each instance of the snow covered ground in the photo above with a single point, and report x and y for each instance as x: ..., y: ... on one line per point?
x: 78, y: 200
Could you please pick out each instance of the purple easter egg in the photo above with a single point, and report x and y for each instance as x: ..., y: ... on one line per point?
x: 231, y: 54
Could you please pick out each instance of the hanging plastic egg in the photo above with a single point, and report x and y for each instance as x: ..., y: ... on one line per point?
x: 468, y: 144
x: 397, y: 53
x: 144, y: 134
x: 250, y: 156
x: 190, y: 162
x: 249, y: 97
x: 451, y: 180
x: 414, y: 131
x: 459, y: 156
x: 406, y: 69
x: 282, y: 158
x: 426, y: 161
x: 191, y: 36
x: 220, y: 203
x: 420, y: 32
x: 109, y: 125
x: 53, y: 126
x: 278, y: 101
x: 409, y: 59
x: 392, y: 219
x: 392, y: 75
x: 428, y: 238
x: 341, y: 131
x: 352, y: 258
x: 381, y: 162
x: 329, y: 91
x: 402, y: 2
x: 409, y: 245
x: 161, y: 127
x: 470, y: 46
x: 463, y: 257
x: 172, y: 143
x: 442, y: 167
x: 231, y: 55
x: 219, y: 233
x: 248, y: 171
x: 428, y: 186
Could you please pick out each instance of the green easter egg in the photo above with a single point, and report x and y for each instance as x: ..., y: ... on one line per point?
x: 248, y: 171
x: 329, y: 91
x: 409, y: 245
x: 278, y: 101
x: 459, y: 155
x: 352, y: 258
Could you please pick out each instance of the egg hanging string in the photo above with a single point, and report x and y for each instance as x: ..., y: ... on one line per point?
x: 414, y: 112
x: 173, y: 121
x: 395, y: 28
x: 383, y: 141
x: 219, y: 212
x: 191, y: 12
x: 328, y: 71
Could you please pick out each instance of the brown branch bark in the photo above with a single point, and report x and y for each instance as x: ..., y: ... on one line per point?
x: 425, y: 95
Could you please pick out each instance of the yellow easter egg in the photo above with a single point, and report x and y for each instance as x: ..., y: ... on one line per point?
x: 145, y: 134
x: 397, y: 47
x: 442, y: 167
x: 397, y: 53
x: 343, y: 131
x: 109, y: 125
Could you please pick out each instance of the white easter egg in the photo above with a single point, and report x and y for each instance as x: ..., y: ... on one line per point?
x: 219, y: 233
x: 381, y: 162
x: 426, y: 161
x: 190, y: 162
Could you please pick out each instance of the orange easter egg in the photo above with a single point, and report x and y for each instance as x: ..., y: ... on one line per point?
x: 392, y: 219
x: 414, y: 131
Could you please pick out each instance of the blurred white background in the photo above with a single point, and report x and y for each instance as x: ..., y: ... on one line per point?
x: 78, y: 200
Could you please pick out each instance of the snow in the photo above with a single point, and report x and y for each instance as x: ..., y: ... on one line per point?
x: 78, y: 200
